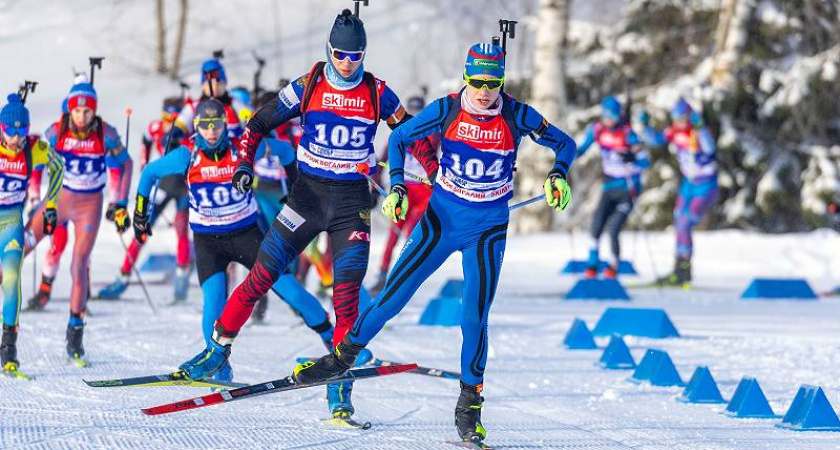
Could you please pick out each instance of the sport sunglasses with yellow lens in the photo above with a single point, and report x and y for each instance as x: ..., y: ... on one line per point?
x: 492, y: 84
x: 209, y: 124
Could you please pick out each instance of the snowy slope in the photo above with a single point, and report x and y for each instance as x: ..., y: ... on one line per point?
x: 538, y: 395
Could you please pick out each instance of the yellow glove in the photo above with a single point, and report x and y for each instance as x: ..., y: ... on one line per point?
x: 395, y: 205
x: 558, y: 194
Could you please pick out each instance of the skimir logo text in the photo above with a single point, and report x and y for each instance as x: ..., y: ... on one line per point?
x: 11, y: 166
x: 475, y: 133
x: 339, y: 101
x: 216, y: 172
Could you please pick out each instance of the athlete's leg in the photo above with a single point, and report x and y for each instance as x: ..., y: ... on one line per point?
x: 623, y: 207
x: 87, y: 209
x: 11, y: 245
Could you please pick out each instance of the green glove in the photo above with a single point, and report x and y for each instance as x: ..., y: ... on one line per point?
x: 395, y: 206
x: 558, y: 194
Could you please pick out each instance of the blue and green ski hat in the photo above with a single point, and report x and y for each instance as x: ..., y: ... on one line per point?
x: 14, y: 114
x: 485, y: 59
x: 348, y: 33
x: 213, y: 65
x: 611, y: 108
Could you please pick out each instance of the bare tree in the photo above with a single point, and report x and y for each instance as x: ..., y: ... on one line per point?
x: 548, y: 96
x: 730, y: 40
x: 179, y: 43
x: 161, y: 37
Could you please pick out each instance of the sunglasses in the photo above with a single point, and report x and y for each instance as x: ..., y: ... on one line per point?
x: 491, y: 85
x: 13, y: 131
x: 341, y: 55
x: 209, y: 124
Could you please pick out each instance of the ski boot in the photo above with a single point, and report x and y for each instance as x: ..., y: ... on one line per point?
x: 468, y: 414
x: 114, y: 290
x: 592, y: 264
x: 8, y: 348
x: 212, y: 359
x: 75, y: 350
x: 40, y: 300
x: 258, y: 314
x: 610, y: 272
x: 681, y: 276
x: 181, y: 283
x: 336, y: 363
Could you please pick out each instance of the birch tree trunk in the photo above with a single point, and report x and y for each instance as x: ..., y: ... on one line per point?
x: 548, y: 96
x: 161, y: 37
x: 731, y: 38
x: 179, y: 43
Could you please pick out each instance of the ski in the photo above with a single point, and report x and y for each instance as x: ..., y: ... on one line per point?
x: 11, y: 371
x: 167, y: 379
x: 420, y: 370
x: 468, y: 444
x: 283, y: 384
x: 347, y: 423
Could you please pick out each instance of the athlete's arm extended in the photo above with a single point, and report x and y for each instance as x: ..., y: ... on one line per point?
x: 588, y: 140
x: 427, y: 122
x: 175, y: 162
x: 119, y: 165
x: 44, y: 155
x: 542, y: 132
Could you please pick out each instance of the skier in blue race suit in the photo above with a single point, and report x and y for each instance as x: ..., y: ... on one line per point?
x: 693, y: 144
x: 622, y: 162
x: 481, y: 129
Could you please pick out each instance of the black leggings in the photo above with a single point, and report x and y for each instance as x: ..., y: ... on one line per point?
x: 613, y: 209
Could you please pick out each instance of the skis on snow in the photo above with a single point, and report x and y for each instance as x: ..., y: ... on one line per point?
x: 420, y: 370
x: 283, y: 384
x: 168, y: 379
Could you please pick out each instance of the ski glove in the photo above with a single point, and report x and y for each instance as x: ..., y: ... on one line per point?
x: 396, y: 203
x: 243, y: 177
x: 142, y: 229
x: 558, y: 194
x: 118, y: 214
x: 628, y: 157
x: 50, y: 221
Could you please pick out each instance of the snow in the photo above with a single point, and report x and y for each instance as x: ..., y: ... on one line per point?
x: 538, y: 394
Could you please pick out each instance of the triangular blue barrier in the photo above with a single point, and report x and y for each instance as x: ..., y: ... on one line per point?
x: 575, y: 267
x: 749, y: 401
x: 702, y: 388
x: 598, y: 289
x: 443, y: 311
x: 810, y: 411
x: 617, y: 355
x: 452, y: 289
x: 579, y: 337
x: 772, y: 288
x: 644, y: 322
x: 657, y: 368
x: 159, y: 262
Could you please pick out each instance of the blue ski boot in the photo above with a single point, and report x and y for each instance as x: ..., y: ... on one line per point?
x: 205, y: 364
x: 592, y: 264
x: 114, y: 290
x: 339, y: 400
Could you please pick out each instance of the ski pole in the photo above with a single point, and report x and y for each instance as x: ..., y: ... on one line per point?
x: 526, y: 202
x: 414, y: 177
x: 364, y: 169
x: 139, y: 278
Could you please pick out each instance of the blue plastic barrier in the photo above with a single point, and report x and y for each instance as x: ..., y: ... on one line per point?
x: 702, y: 388
x: 810, y: 411
x: 443, y: 311
x: 749, y: 401
x: 779, y: 288
x: 644, y: 322
x: 657, y: 368
x: 575, y: 267
x: 579, y: 337
x: 452, y: 289
x: 617, y: 356
x: 597, y: 289
x: 159, y: 262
